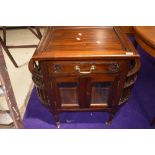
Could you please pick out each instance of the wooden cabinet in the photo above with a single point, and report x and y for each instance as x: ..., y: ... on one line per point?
x: 84, y: 69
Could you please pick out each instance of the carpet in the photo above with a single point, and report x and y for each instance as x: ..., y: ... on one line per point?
x: 135, y: 114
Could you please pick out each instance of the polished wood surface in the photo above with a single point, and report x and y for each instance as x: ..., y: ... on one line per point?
x: 127, y: 29
x: 84, y: 69
x: 146, y: 33
x: 145, y: 37
x: 84, y: 42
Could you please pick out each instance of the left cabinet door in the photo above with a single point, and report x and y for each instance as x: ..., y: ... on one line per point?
x: 66, y: 91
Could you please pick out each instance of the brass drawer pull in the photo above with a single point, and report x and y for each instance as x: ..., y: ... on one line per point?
x: 92, y: 68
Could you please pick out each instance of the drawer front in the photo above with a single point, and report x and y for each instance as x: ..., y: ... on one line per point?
x: 83, y: 67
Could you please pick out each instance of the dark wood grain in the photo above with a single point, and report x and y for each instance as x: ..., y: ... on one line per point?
x: 128, y: 30
x: 94, y: 42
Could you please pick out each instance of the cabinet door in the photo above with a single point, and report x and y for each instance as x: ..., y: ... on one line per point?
x: 97, y: 90
x: 67, y: 91
x: 100, y: 93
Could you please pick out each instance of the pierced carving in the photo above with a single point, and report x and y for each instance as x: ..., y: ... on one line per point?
x: 114, y: 67
x: 37, y: 78
x: 123, y: 100
x: 36, y: 65
x: 56, y: 68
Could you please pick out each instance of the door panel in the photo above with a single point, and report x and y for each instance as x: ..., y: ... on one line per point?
x: 68, y: 93
x: 83, y: 91
x: 100, y: 92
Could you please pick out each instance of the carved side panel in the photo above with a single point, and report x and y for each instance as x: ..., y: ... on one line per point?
x: 37, y: 78
x: 130, y: 80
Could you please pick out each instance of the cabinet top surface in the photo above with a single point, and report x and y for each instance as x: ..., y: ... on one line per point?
x: 78, y: 42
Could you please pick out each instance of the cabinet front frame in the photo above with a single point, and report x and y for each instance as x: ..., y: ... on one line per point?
x: 84, y: 102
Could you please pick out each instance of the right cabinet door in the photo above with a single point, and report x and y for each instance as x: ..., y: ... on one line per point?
x: 104, y: 89
x: 100, y: 93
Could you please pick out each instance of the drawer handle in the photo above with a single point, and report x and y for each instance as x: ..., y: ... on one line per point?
x: 92, y: 68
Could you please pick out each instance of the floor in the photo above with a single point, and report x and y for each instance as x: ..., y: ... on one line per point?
x: 20, y: 77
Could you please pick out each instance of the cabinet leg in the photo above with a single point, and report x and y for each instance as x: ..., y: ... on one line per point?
x: 153, y: 122
x: 58, y: 124
x: 57, y: 120
x: 111, y: 116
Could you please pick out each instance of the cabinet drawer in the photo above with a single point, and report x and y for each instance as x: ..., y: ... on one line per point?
x: 83, y: 67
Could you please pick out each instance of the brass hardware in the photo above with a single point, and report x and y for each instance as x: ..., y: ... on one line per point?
x: 92, y: 68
